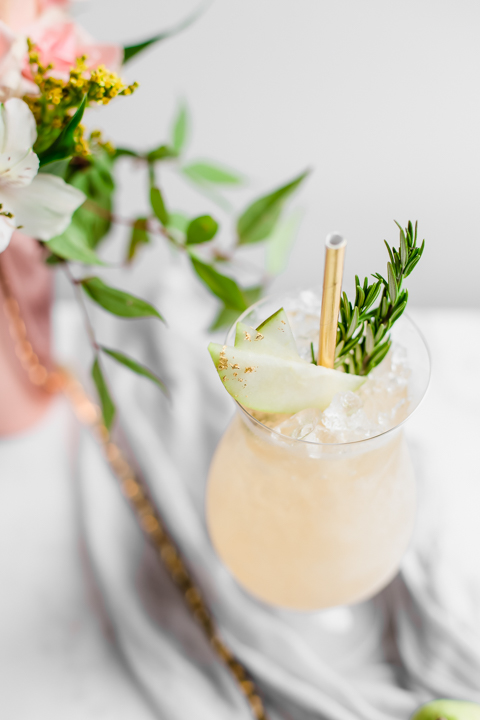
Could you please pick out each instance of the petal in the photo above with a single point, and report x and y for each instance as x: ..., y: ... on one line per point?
x: 22, y: 173
x: 7, y: 38
x: 13, y: 53
x: 13, y: 85
x: 6, y: 231
x: 109, y: 55
x: 18, y: 132
x: 18, y: 14
x: 44, y: 208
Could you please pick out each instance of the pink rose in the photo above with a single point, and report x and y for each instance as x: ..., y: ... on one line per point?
x: 18, y: 13
x: 60, y: 41
x: 13, y: 49
x: 44, y: 4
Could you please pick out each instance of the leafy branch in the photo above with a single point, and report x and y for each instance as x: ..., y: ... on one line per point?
x: 260, y: 221
x: 362, y: 333
x: 123, y: 305
x: 212, y: 265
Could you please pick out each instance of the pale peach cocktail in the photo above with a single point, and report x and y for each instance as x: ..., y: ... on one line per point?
x: 306, y: 524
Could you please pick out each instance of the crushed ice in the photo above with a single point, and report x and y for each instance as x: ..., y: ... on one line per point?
x: 380, y: 404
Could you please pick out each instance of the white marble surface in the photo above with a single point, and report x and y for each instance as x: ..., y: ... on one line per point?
x: 91, y: 627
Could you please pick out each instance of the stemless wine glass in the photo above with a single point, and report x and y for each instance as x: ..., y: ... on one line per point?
x: 308, y: 525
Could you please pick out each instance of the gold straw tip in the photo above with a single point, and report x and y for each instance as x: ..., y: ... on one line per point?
x: 335, y: 241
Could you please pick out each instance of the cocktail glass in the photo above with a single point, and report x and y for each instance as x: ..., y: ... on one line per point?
x: 307, y: 525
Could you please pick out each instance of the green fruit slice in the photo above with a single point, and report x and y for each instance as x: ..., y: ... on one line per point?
x: 272, y: 337
x: 276, y: 384
x: 448, y: 710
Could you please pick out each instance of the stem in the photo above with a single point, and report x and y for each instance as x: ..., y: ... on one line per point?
x: 160, y: 230
x: 81, y: 301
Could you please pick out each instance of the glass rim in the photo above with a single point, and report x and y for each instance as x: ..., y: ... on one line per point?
x: 383, y: 434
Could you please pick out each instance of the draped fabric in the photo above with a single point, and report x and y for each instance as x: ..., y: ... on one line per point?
x: 91, y: 624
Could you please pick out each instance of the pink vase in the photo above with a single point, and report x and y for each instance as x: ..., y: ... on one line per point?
x: 31, y: 282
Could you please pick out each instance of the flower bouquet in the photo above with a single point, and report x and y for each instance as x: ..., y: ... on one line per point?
x: 57, y: 195
x: 57, y: 180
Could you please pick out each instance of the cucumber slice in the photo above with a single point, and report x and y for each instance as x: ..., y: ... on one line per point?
x: 277, y: 384
x: 273, y: 337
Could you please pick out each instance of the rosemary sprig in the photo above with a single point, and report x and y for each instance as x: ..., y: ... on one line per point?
x: 362, y: 339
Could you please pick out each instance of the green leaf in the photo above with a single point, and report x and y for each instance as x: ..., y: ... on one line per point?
x: 411, y: 265
x: 116, y: 301
x: 210, y: 191
x: 378, y: 355
x: 353, y: 324
x: 279, y: 243
x: 390, y: 253
x: 161, y: 153
x: 403, y: 249
x: 130, y: 51
x: 351, y: 343
x: 134, y: 366
x: 108, y: 408
x: 383, y: 307
x: 201, y: 229
x: 64, y: 145
x: 339, y: 348
x: 71, y: 245
x: 180, y: 129
x: 138, y: 237
x: 359, y: 294
x: 369, y: 339
x: 220, y: 285
x: 347, y: 308
x: 397, y: 312
x: 158, y: 205
x: 392, y: 284
x: 210, y: 173
x: 258, y: 221
x: 226, y: 316
x: 54, y: 260
x: 92, y: 220
x: 410, y: 232
x: 58, y: 168
x: 124, y: 152
x: 379, y: 349
x: 372, y: 294
x: 252, y: 294
x: 178, y: 221
x: 380, y: 333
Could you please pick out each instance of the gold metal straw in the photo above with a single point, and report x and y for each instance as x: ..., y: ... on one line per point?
x: 332, y: 289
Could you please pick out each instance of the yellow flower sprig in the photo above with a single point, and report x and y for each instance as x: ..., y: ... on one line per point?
x: 58, y: 99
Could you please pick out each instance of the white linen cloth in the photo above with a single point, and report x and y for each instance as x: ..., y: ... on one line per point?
x: 90, y: 624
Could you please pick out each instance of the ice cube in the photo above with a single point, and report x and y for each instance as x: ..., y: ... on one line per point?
x: 346, y: 418
x: 301, y: 424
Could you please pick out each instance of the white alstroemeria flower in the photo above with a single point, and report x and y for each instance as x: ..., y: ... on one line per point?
x: 13, y: 51
x: 41, y: 204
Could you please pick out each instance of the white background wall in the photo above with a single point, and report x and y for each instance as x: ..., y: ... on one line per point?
x: 380, y: 98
